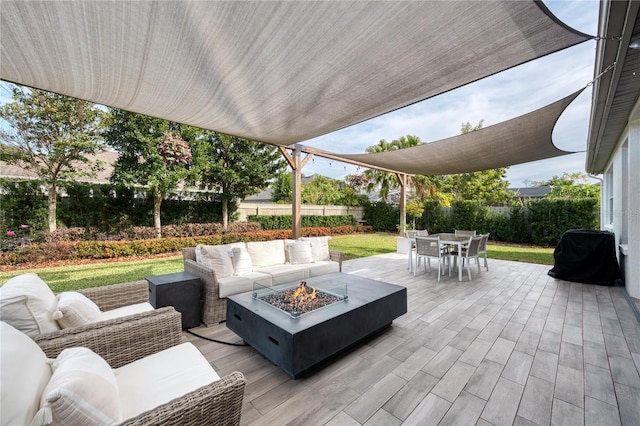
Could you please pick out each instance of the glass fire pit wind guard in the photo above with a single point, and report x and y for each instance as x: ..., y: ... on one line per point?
x: 298, y: 299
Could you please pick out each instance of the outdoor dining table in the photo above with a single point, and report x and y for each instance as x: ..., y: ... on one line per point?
x: 448, y: 238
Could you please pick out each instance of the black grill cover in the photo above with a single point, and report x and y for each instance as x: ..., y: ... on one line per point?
x: 586, y: 256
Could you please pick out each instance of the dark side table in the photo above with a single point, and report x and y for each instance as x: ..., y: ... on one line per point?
x: 180, y: 290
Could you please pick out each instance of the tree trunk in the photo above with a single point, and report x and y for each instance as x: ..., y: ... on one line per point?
x: 157, y: 201
x: 225, y: 213
x: 53, y: 204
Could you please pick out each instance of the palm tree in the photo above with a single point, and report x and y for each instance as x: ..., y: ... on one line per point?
x: 387, y: 181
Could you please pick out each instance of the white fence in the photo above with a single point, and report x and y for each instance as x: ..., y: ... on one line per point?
x: 266, y: 209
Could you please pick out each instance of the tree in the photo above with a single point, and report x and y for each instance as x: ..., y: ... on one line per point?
x: 570, y: 186
x: 414, y: 209
x: 282, y: 188
x: 235, y: 167
x: 51, y: 135
x: 387, y: 181
x: 321, y: 191
x: 488, y: 186
x: 153, y: 154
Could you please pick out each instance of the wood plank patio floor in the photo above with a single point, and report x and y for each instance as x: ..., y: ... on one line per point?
x: 513, y: 346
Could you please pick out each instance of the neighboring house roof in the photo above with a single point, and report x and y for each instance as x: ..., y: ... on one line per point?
x: 107, y: 157
x: 615, y: 92
x: 532, y: 192
x: 261, y: 197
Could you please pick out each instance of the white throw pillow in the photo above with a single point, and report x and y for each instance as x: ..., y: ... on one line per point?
x: 82, y: 390
x: 319, y: 247
x: 241, y: 261
x: 75, y: 309
x: 27, y: 303
x: 24, y: 374
x: 215, y: 257
x: 267, y: 253
x: 300, y: 252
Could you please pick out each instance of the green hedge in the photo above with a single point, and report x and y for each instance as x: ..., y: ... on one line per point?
x: 75, y: 250
x: 541, y: 222
x: 100, y: 207
x: 269, y: 222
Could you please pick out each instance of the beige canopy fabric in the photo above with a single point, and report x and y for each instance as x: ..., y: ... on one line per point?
x: 519, y: 140
x: 273, y: 71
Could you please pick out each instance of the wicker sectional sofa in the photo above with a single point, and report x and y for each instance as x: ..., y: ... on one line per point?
x: 233, y: 268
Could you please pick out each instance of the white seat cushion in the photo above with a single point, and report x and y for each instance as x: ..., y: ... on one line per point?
x: 127, y: 310
x: 266, y: 253
x: 24, y: 373
x: 241, y: 260
x: 234, y: 285
x: 82, y: 390
x: 319, y: 247
x: 323, y: 268
x: 299, y: 252
x: 75, y: 309
x: 215, y: 257
x: 157, y: 379
x: 28, y: 304
x: 281, y: 274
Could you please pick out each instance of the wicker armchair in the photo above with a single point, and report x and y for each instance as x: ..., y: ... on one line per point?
x: 161, y: 327
x: 216, y: 403
x: 219, y: 403
x: 214, y: 309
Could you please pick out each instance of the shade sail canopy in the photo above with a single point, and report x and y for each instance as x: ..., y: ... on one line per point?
x: 520, y: 140
x: 278, y: 72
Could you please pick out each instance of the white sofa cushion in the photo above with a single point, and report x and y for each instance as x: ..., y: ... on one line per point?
x: 241, y: 260
x: 215, y: 257
x: 82, y: 390
x: 75, y: 309
x: 126, y: 311
x: 266, y: 253
x: 159, y: 378
x: 28, y: 304
x: 323, y: 268
x: 319, y: 247
x: 239, y: 284
x: 281, y: 274
x: 24, y: 374
x: 299, y: 252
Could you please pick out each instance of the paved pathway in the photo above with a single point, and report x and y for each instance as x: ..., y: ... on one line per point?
x: 513, y: 346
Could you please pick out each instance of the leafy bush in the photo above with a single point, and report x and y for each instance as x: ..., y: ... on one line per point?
x: 550, y: 218
x: 433, y: 218
x: 270, y: 222
x: 469, y: 215
x: 382, y: 216
x: 55, y: 251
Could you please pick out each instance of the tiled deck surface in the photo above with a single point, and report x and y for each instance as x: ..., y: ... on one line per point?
x: 513, y: 346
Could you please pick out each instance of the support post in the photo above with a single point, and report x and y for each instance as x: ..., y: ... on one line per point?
x: 296, y: 163
x: 402, y: 179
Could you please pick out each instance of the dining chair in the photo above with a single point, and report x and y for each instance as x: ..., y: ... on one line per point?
x: 482, y: 249
x: 463, y: 233
x: 472, y: 252
x: 422, y: 233
x: 430, y: 247
x: 411, y: 235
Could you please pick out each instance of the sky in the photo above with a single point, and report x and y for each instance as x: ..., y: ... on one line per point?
x: 494, y: 99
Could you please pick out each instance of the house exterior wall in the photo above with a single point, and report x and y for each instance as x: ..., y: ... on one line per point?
x: 620, y: 202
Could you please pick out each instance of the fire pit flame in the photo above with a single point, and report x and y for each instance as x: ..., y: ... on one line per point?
x: 301, y: 295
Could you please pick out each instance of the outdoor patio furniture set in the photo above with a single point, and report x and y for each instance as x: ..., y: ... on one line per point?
x: 460, y: 246
x: 230, y: 269
x: 117, y: 360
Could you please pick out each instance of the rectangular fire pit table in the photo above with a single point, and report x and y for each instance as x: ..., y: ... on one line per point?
x: 298, y: 344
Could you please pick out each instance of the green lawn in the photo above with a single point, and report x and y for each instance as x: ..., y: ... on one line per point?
x: 63, y: 278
